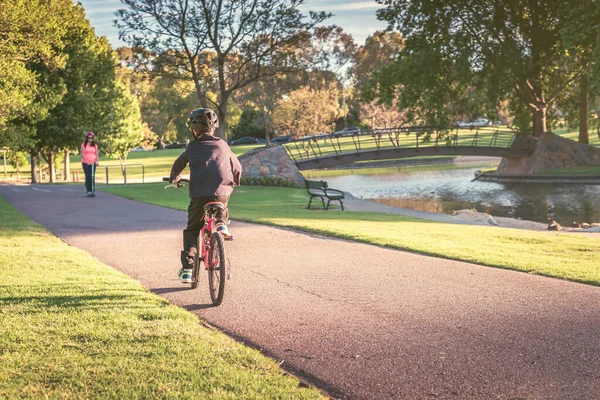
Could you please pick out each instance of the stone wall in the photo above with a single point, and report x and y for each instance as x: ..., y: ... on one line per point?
x: 552, y: 152
x: 270, y: 161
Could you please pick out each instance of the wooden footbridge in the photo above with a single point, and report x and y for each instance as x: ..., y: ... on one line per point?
x: 322, y: 151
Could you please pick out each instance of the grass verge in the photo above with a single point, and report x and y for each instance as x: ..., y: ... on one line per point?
x: 72, y: 327
x: 562, y: 256
x: 588, y: 170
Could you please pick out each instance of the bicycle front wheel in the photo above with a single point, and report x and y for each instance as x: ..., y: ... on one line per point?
x: 217, y: 270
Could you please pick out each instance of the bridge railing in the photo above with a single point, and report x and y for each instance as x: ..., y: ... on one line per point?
x: 331, y: 145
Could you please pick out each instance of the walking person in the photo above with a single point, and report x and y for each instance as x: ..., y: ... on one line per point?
x: 89, y: 161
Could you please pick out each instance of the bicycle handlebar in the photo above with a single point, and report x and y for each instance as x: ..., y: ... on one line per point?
x: 178, y: 184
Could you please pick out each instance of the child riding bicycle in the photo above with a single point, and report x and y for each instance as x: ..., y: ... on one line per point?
x: 214, y: 171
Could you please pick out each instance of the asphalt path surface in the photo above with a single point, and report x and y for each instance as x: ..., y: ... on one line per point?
x: 359, y: 321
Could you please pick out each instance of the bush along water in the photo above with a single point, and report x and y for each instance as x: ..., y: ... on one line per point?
x: 268, y: 181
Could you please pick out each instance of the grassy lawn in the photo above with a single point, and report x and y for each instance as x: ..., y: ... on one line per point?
x: 574, y: 135
x: 569, y: 257
x: 72, y: 328
x: 590, y: 170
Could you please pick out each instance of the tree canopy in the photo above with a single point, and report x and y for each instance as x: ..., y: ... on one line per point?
x: 251, y: 39
x: 57, y: 81
x: 504, y: 49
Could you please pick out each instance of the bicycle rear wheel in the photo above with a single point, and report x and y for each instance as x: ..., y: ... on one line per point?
x: 217, y: 269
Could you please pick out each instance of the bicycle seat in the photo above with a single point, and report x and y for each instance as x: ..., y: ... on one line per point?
x: 213, y: 206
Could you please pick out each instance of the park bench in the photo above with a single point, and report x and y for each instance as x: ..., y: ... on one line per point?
x: 319, y: 189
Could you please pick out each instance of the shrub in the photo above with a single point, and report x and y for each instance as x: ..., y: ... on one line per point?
x: 268, y: 181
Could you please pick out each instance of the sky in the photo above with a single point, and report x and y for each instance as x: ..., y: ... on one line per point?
x: 354, y: 16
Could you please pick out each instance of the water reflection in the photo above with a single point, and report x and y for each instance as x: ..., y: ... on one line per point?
x: 450, y: 190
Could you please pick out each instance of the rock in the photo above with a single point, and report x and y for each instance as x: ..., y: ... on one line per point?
x: 585, y: 225
x: 552, y: 152
x: 554, y: 226
x: 575, y: 225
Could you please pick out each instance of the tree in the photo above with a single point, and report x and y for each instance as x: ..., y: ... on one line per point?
x: 30, y: 31
x: 263, y: 96
x: 166, y: 107
x: 306, y: 111
x: 581, y: 38
x: 251, y: 123
x: 124, y: 129
x: 379, y: 50
x: 497, y: 47
x: 251, y: 39
x: 380, y: 116
x: 88, y: 74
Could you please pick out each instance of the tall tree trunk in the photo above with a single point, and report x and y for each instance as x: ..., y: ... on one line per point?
x: 51, y: 167
x: 34, y: 162
x: 266, y: 120
x: 584, y: 106
x: 598, y: 123
x: 533, y: 96
x: 220, y: 132
x: 67, y: 166
x: 539, y: 120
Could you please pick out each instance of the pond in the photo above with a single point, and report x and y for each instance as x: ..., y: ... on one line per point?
x: 448, y: 190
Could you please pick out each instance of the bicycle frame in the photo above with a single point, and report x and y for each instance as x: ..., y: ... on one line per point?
x: 204, y: 237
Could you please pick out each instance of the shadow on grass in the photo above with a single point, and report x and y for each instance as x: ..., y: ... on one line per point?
x: 82, y: 302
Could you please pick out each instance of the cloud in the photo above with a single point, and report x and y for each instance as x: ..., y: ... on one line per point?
x: 361, y: 5
x: 95, y: 3
x: 103, y: 10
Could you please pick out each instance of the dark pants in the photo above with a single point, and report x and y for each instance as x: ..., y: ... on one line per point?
x: 90, y: 175
x: 195, y: 224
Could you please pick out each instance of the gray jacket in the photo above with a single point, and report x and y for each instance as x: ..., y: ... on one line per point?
x: 214, y: 169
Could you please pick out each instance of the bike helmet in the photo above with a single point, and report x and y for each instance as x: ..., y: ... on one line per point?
x: 89, y: 134
x: 203, y: 120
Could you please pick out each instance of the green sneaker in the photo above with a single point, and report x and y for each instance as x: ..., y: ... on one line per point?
x: 185, y: 275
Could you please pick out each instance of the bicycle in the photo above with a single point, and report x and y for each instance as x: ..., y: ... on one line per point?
x: 211, y: 250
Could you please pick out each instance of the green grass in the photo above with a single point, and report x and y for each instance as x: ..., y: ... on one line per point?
x: 562, y: 256
x: 71, y: 327
x: 589, y: 170
x: 574, y: 135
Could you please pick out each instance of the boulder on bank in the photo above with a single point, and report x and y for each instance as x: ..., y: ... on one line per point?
x: 272, y: 161
x: 552, y: 152
x: 554, y: 226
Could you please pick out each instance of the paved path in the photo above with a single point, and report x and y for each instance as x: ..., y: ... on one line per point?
x: 361, y: 321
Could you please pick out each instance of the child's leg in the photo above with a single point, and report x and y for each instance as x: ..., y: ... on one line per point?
x: 192, y: 231
x: 222, y: 216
